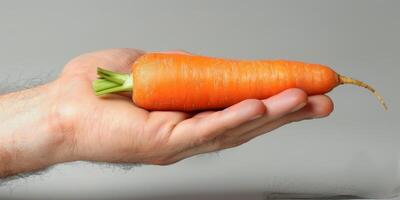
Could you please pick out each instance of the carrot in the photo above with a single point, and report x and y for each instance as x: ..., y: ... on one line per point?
x: 189, y: 83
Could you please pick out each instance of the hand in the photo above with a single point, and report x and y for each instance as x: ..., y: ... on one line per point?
x: 113, y: 129
x: 64, y: 121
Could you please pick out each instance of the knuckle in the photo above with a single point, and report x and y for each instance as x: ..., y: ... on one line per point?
x: 260, y: 106
x: 257, y: 105
x: 166, y: 129
x: 302, y: 97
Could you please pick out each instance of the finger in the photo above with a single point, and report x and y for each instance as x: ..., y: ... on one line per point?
x: 203, y: 114
x: 196, y: 131
x: 277, y: 106
x: 318, y: 106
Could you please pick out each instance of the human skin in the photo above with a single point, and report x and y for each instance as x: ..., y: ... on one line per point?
x: 63, y: 121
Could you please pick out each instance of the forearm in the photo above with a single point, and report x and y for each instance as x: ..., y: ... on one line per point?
x: 29, y: 139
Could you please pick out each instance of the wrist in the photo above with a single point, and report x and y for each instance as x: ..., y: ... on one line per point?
x: 30, y: 137
x: 59, y: 135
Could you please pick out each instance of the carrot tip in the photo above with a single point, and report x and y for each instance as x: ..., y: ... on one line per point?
x: 348, y: 80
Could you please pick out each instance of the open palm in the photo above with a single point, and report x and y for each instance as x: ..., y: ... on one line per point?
x: 113, y: 129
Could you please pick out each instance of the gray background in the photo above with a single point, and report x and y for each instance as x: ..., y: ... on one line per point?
x: 354, y: 151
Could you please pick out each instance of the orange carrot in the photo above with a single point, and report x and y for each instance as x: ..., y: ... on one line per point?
x: 189, y: 83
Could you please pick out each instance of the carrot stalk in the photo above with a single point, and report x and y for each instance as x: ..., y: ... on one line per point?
x: 348, y: 80
x: 112, y: 76
x: 111, y: 82
x: 103, y: 84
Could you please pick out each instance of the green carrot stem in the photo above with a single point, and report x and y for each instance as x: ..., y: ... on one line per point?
x: 103, y: 84
x: 112, y: 76
x: 111, y: 82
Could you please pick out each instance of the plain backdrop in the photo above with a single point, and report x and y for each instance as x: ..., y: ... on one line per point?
x: 351, y: 151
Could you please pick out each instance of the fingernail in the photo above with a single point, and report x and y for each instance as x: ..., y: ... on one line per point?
x: 256, y: 117
x: 298, y: 107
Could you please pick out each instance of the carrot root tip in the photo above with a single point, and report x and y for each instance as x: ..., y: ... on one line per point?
x: 348, y: 80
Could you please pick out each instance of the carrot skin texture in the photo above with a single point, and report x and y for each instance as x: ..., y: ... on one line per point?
x: 191, y: 83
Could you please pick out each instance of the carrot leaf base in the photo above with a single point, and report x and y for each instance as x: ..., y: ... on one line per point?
x: 111, y: 82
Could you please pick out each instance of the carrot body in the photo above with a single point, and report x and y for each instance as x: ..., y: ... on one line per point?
x: 184, y: 82
x: 189, y: 83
